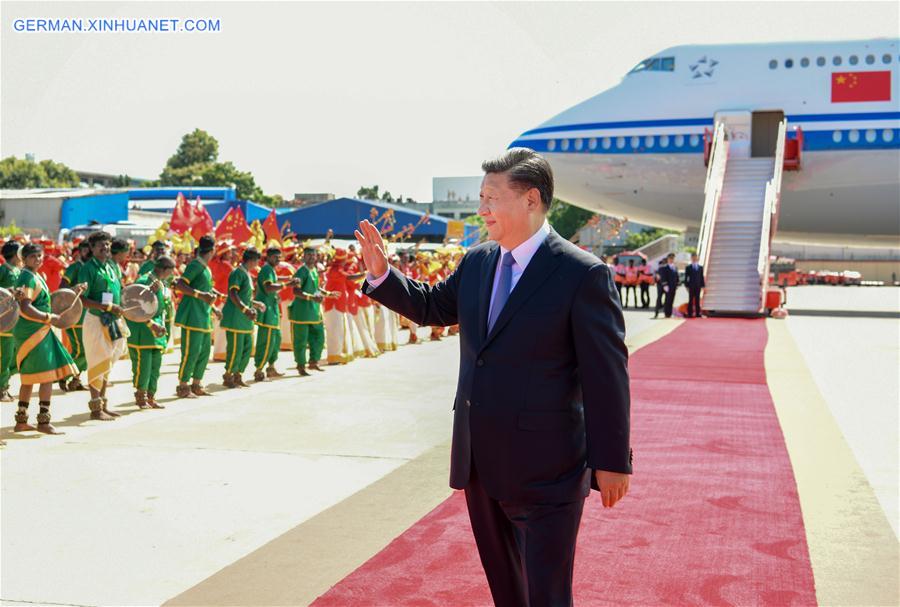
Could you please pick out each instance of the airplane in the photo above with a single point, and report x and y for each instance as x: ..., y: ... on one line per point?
x: 637, y: 149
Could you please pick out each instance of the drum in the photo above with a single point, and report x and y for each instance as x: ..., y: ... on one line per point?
x: 9, y: 311
x: 139, y: 303
x: 66, y: 304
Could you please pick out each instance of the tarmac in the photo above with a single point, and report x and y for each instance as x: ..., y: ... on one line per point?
x: 273, y: 493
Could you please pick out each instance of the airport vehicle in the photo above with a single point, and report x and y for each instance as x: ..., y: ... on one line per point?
x: 743, y: 143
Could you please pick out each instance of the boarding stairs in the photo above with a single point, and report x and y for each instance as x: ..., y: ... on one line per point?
x: 739, y: 218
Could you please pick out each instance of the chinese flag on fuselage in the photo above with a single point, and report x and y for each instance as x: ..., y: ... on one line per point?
x: 234, y: 226
x: 203, y: 223
x: 270, y: 227
x: 860, y: 86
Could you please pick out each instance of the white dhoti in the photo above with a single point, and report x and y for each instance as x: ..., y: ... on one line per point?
x: 287, y: 333
x: 395, y: 326
x: 385, y: 329
x: 365, y: 336
x: 335, y: 336
x: 99, y: 351
x: 220, y: 345
x: 357, y: 348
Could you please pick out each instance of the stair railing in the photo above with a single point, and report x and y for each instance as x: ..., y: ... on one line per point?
x: 770, y: 209
x: 715, y: 179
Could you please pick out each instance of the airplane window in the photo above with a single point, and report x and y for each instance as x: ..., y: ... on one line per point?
x: 551, y: 145
x: 870, y: 59
x: 607, y: 142
x: 885, y: 58
x: 837, y: 136
x: 820, y: 61
x: 592, y: 143
x: 788, y: 63
x: 804, y: 62
x: 695, y: 139
x: 664, y: 141
x: 853, y: 136
x: 870, y: 135
x: 649, y: 141
x: 679, y: 141
x: 854, y: 59
x: 620, y: 142
x: 836, y: 60
x: 635, y: 142
x: 887, y: 135
x: 773, y: 64
x: 655, y: 64
x: 667, y: 64
x: 564, y: 145
x: 579, y: 143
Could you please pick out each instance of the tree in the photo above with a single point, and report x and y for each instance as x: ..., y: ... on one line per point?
x: 195, y: 164
x: 198, y: 147
x: 21, y: 173
x: 368, y: 193
x: 567, y: 219
x: 386, y: 197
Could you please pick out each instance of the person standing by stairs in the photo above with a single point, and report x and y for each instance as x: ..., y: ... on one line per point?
x: 693, y: 280
x: 667, y: 281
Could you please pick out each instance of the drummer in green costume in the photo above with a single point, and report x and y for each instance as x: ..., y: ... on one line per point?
x: 194, y: 316
x: 74, y: 342
x: 305, y: 314
x: 268, y: 335
x: 158, y: 248
x: 148, y: 339
x: 104, y: 331
x: 9, y: 274
x: 41, y: 357
x: 238, y: 315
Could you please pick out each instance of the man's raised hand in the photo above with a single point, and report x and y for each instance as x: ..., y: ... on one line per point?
x: 372, y: 246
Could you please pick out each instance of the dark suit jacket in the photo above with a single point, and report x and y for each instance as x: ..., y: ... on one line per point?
x: 693, y: 279
x: 544, y: 398
x: 668, y: 276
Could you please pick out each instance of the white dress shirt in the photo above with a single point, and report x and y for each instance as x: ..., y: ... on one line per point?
x: 522, y: 255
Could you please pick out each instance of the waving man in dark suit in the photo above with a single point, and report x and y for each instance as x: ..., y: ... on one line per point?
x: 542, y: 401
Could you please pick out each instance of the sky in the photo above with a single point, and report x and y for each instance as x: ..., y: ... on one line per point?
x: 328, y: 97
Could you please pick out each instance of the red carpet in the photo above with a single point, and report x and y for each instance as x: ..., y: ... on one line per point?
x: 713, y: 516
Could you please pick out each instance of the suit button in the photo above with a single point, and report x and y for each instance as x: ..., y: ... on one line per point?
x: 480, y: 362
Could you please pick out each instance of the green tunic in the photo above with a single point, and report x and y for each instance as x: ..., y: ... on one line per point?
x: 141, y: 334
x: 232, y: 318
x: 302, y: 310
x: 40, y: 355
x: 101, y: 278
x: 272, y: 316
x: 194, y: 313
x: 147, y: 266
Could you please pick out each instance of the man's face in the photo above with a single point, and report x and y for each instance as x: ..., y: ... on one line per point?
x: 309, y: 258
x: 121, y: 257
x: 100, y: 250
x: 670, y: 260
x: 34, y: 261
x: 83, y: 252
x: 164, y: 273
x: 252, y: 264
x: 273, y: 259
x: 694, y: 258
x: 504, y: 207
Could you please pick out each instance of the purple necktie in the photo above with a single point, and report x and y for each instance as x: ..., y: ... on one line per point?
x: 503, y: 288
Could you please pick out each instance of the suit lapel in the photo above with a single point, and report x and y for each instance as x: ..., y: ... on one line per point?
x: 488, y: 269
x: 541, y: 266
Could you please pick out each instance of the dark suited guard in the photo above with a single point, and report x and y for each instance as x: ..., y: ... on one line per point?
x: 693, y: 280
x: 667, y: 283
x: 542, y: 403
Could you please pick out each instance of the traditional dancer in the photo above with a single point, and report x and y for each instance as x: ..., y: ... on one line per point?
x: 41, y: 357
x: 148, y: 339
x: 221, y: 266
x: 305, y: 314
x: 337, y: 323
x: 9, y: 274
x: 104, y: 331
x: 72, y: 336
x: 194, y: 316
x: 268, y: 321
x: 238, y: 315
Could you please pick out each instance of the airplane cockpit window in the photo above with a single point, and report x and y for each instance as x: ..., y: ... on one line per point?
x: 655, y: 64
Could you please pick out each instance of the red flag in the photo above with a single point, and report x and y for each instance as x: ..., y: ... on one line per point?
x: 233, y: 226
x: 860, y: 86
x: 183, y: 218
x: 270, y: 227
x: 203, y: 223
